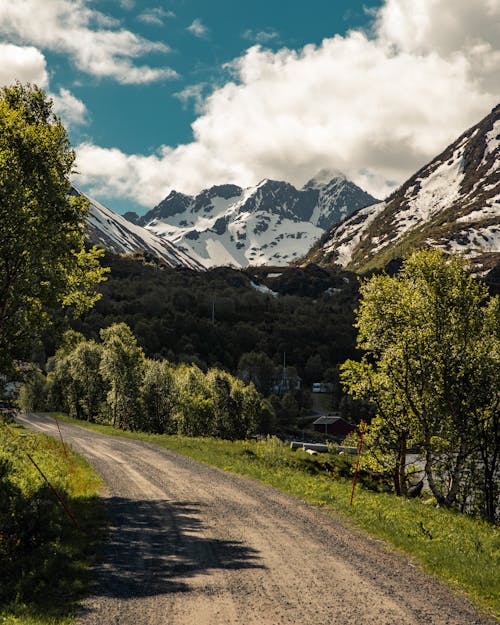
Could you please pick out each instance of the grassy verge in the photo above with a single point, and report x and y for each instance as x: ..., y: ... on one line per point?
x: 44, y: 557
x: 463, y: 551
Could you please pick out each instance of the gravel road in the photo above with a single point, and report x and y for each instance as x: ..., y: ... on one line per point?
x: 192, y: 545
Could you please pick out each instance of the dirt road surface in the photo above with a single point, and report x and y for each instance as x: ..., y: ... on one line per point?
x: 192, y: 545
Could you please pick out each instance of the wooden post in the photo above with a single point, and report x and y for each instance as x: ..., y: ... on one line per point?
x: 60, y: 436
x: 360, y: 449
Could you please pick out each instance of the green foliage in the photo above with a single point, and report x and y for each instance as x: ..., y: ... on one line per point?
x: 43, y: 262
x: 122, y: 367
x: 170, y: 312
x: 258, y: 368
x: 43, y: 558
x: 431, y: 338
x: 158, y: 392
x: 32, y: 392
x: 112, y: 382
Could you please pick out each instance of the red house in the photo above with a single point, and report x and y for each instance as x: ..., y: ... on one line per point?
x: 333, y: 425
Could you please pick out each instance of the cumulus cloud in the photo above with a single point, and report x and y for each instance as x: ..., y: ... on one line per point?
x: 377, y: 106
x: 70, y: 109
x: 23, y: 63
x: 27, y: 64
x: 88, y: 36
x: 193, y: 93
x: 197, y: 28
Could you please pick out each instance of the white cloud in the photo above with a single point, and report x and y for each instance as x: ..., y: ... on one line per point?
x: 198, y: 28
x: 195, y: 93
x: 155, y: 16
x: 377, y: 107
x: 87, y: 35
x: 70, y: 109
x: 27, y: 64
x: 262, y: 37
x: 23, y: 63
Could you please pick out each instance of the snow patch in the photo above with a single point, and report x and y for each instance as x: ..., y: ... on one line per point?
x: 262, y: 288
x: 493, y: 138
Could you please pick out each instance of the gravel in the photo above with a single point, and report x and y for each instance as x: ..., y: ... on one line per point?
x: 190, y: 544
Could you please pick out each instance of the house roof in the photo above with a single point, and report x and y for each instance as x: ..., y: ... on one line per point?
x: 327, y: 420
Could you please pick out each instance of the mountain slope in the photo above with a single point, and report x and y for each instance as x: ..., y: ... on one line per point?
x: 453, y: 203
x: 271, y: 223
x: 115, y: 233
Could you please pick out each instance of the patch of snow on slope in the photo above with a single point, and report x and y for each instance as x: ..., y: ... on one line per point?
x: 348, y: 234
x: 262, y: 288
x: 121, y: 236
x: 493, y: 138
x: 472, y: 241
x: 484, y: 213
x: 438, y: 190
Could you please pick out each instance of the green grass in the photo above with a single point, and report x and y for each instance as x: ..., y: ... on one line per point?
x: 461, y: 550
x: 50, y: 572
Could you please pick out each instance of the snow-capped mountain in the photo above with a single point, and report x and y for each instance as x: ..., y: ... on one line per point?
x: 116, y: 234
x: 452, y: 203
x: 271, y: 223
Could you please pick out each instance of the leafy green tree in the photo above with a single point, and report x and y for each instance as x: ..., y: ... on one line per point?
x: 158, y: 392
x: 390, y: 431
x: 43, y: 261
x: 122, y: 367
x: 89, y: 390
x: 226, y: 417
x: 431, y: 340
x: 258, y: 368
x: 32, y: 393
x: 63, y: 393
x: 194, y: 412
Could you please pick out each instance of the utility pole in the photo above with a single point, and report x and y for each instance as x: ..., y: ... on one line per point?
x: 284, y: 378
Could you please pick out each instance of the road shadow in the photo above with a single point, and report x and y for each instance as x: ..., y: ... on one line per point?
x: 155, y: 546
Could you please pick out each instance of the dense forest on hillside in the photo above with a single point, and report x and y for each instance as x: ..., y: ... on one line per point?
x: 212, y: 318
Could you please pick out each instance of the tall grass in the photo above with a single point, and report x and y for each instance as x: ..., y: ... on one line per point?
x: 44, y: 557
x: 462, y: 550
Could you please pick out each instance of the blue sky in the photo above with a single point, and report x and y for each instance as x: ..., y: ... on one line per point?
x: 183, y: 94
x: 136, y: 118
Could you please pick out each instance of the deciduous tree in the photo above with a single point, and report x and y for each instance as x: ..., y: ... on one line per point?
x: 43, y: 262
x: 430, y: 335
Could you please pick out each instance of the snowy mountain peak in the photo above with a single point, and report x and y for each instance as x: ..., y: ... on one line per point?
x: 452, y: 203
x: 270, y: 223
x: 324, y: 177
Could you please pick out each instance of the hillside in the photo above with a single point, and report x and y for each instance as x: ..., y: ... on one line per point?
x: 212, y: 318
x: 452, y: 203
x: 116, y: 234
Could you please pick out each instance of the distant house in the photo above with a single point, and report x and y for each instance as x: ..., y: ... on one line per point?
x: 333, y: 425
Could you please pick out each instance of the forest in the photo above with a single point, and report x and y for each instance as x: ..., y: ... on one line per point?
x: 214, y: 318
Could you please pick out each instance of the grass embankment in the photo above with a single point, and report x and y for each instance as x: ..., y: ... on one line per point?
x: 462, y: 550
x: 44, y: 557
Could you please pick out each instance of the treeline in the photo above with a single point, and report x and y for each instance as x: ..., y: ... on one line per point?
x: 111, y: 381
x: 213, y: 318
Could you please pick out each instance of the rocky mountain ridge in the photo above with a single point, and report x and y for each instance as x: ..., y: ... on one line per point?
x: 271, y: 223
x: 115, y: 233
x: 452, y: 203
